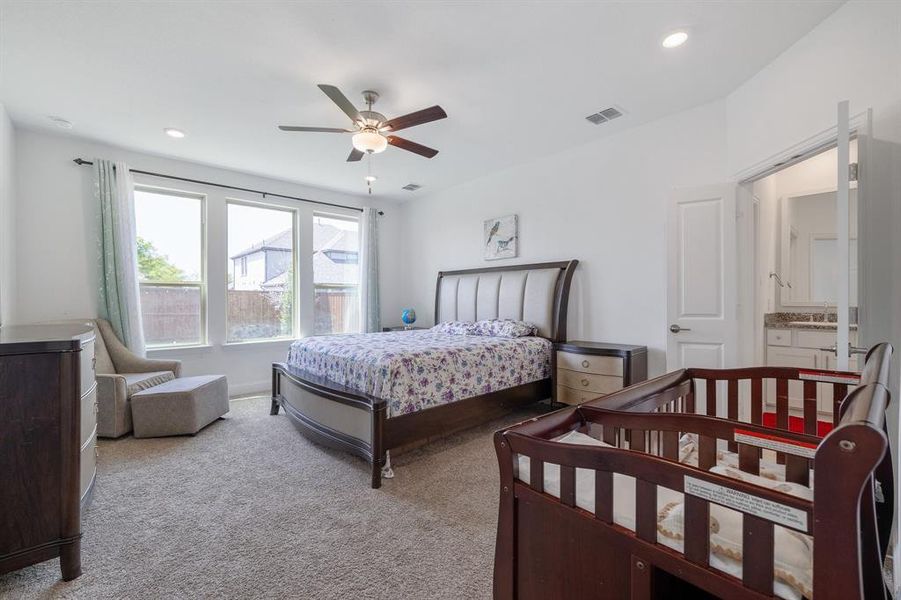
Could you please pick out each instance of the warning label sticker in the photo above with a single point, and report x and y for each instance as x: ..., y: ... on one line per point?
x: 829, y: 377
x: 776, y: 443
x: 747, y: 503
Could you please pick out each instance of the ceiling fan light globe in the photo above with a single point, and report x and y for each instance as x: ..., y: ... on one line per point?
x: 370, y: 141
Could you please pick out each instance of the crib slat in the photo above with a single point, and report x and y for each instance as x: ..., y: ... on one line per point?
x: 757, y: 547
x: 732, y: 407
x: 810, y: 407
x: 782, y: 403
x: 711, y: 396
x: 671, y: 445
x: 690, y: 402
x: 749, y: 459
x: 797, y: 469
x: 568, y: 485
x: 646, y: 510
x: 637, y: 440
x: 839, y: 391
x: 706, y: 452
x: 603, y: 496
x: 757, y: 401
x: 610, y: 435
x: 697, y: 530
x: 536, y: 474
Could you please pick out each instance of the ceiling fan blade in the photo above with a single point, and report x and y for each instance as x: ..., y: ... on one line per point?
x: 341, y: 100
x: 354, y: 155
x: 412, y: 146
x: 319, y: 129
x: 426, y: 115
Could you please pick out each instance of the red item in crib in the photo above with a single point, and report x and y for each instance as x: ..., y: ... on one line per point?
x: 796, y: 424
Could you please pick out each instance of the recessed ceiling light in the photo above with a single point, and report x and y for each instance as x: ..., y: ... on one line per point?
x: 675, y: 39
x: 174, y: 133
x: 60, y: 122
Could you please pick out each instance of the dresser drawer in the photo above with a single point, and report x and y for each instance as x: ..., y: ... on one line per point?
x: 588, y: 363
x: 88, y: 464
x: 88, y: 414
x: 571, y: 396
x: 87, y: 367
x: 779, y: 337
x: 589, y: 382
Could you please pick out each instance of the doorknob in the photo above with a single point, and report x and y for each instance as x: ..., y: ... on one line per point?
x: 676, y: 329
x: 856, y: 349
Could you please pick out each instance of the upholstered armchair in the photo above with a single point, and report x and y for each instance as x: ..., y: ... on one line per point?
x: 121, y: 374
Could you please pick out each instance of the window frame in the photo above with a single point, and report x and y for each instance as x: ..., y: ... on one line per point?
x: 295, y: 265
x: 202, y: 284
x: 356, y: 218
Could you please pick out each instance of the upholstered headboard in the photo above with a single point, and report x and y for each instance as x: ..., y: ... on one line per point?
x: 537, y: 293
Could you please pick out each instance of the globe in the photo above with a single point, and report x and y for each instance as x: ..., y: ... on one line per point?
x: 408, y: 316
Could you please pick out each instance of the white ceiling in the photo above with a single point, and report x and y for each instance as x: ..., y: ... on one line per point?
x: 516, y: 78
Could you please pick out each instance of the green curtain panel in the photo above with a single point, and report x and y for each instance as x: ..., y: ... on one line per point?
x: 370, y: 271
x: 119, y: 298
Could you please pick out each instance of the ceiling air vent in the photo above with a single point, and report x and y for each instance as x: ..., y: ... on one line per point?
x: 602, y: 116
x: 411, y: 187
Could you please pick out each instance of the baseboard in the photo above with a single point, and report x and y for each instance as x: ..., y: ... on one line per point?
x: 263, y: 387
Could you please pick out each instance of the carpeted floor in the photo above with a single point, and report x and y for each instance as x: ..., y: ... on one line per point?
x: 250, y: 509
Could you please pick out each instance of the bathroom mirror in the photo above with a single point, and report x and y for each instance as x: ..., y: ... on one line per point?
x: 809, y: 251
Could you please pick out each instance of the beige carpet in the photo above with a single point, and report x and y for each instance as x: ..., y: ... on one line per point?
x: 251, y: 509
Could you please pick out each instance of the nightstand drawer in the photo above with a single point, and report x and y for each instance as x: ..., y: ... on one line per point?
x: 570, y: 396
x: 587, y: 363
x: 589, y: 382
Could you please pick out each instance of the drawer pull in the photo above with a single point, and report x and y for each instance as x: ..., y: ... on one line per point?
x: 586, y: 364
x: 585, y: 382
x: 94, y: 363
x: 96, y: 452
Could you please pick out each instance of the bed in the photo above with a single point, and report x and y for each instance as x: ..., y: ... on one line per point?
x: 675, y: 488
x: 371, y: 393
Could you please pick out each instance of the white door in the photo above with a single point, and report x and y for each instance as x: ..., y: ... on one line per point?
x: 702, y: 323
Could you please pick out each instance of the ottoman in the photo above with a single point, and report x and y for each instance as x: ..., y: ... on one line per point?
x: 178, y: 407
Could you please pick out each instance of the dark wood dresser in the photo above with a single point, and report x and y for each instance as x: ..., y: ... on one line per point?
x: 47, y: 443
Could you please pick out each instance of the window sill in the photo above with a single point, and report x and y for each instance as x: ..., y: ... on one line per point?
x: 259, y: 343
x: 164, y: 350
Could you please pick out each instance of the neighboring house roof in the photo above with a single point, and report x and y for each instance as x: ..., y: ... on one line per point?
x: 325, y: 239
x: 280, y: 241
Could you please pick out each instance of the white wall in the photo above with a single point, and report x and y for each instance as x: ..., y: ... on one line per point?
x: 57, y: 243
x: 854, y: 54
x: 603, y: 203
x: 7, y: 219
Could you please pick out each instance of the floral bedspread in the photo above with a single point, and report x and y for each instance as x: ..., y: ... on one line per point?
x: 415, y: 370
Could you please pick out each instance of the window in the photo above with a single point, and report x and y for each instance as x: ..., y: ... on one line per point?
x: 336, y: 274
x: 170, y: 238
x: 260, y: 295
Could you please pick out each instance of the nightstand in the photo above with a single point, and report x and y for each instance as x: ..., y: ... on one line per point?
x: 582, y: 371
x: 400, y: 328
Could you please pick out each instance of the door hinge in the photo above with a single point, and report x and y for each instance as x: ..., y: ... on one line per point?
x: 852, y: 172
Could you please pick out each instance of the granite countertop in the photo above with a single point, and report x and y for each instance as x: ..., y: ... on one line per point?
x: 815, y: 321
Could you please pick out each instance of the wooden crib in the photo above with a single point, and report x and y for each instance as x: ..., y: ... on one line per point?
x: 550, y: 547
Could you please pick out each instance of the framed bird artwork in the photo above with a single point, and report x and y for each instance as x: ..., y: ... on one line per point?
x: 501, y: 237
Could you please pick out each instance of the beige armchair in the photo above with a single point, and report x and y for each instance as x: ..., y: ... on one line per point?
x: 120, y: 375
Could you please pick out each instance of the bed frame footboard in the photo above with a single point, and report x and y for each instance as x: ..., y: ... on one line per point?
x: 348, y: 420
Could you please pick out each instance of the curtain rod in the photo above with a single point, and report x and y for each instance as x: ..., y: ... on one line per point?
x: 81, y: 161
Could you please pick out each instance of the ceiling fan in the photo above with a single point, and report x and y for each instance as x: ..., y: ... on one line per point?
x: 371, y: 129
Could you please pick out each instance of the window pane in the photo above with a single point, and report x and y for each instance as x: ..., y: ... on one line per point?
x: 169, y: 230
x: 172, y: 314
x: 260, y: 303
x: 336, y: 274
